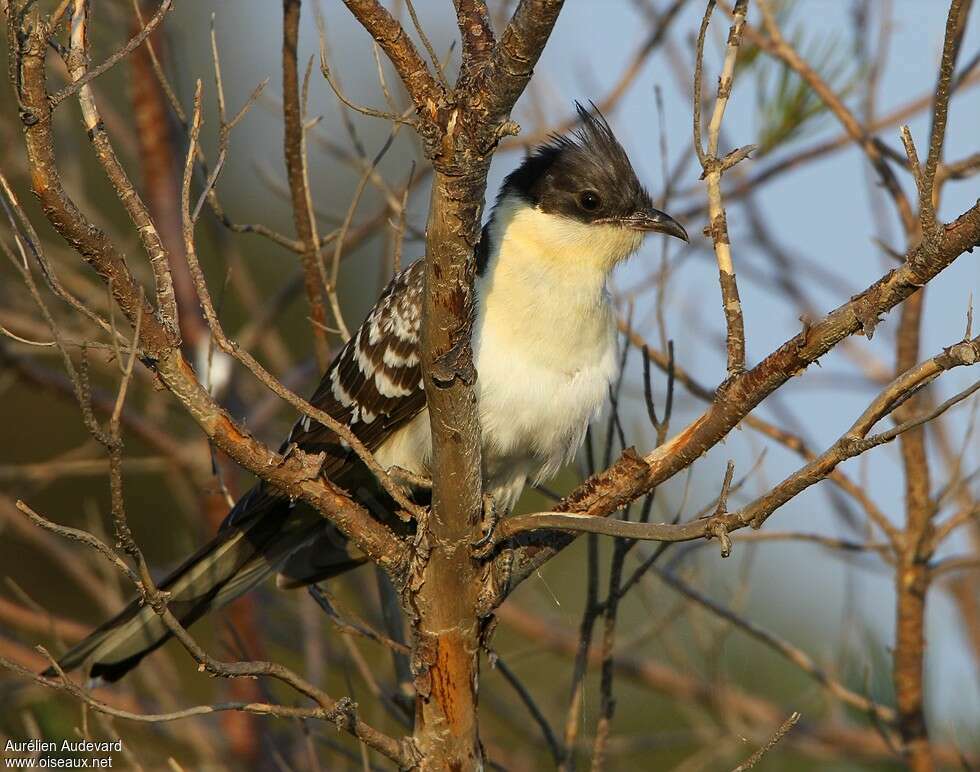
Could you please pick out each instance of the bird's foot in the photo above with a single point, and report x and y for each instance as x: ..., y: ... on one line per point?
x: 484, y: 546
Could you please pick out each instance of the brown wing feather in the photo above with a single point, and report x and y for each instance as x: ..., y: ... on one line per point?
x: 374, y: 385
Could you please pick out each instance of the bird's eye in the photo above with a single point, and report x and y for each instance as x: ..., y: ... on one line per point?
x: 589, y: 201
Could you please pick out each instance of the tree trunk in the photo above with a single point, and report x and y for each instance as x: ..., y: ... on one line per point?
x: 446, y: 623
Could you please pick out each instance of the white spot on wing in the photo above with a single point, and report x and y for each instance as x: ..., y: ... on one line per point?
x: 387, y: 387
x: 404, y: 324
x: 374, y: 326
x: 394, y: 359
x: 364, y: 363
x: 338, y: 391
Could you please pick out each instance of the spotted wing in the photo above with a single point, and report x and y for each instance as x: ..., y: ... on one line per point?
x: 374, y: 385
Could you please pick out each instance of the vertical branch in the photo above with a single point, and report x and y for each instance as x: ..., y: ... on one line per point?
x: 293, y: 150
x: 607, y: 704
x: 460, y: 130
x: 713, y: 168
x: 912, y: 571
x: 621, y: 548
x: 917, y: 546
x: 589, y: 615
x: 517, y: 52
x: 160, y: 181
x: 447, y: 629
x: 78, y: 60
x: 959, y: 12
x: 476, y: 30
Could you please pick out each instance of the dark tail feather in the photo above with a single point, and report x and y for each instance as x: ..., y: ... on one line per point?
x: 263, y: 532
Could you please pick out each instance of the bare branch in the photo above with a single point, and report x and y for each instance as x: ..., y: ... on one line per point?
x: 425, y: 92
x: 135, y: 42
x: 84, y: 537
x: 712, y: 168
x: 956, y: 23
x: 433, y: 56
x: 63, y: 683
x: 557, y: 752
x: 518, y: 50
x: 294, y: 150
x: 477, y: 33
x: 296, y: 475
x: 125, y: 191
x: 778, y: 735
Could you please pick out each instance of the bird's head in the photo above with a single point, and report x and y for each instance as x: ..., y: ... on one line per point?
x: 580, y: 194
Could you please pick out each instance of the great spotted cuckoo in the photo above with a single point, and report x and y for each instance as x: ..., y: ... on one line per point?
x: 544, y: 346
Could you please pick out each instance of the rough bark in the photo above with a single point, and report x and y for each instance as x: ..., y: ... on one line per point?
x: 447, y: 644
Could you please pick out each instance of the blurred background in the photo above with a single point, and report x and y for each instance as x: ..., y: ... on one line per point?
x: 692, y: 688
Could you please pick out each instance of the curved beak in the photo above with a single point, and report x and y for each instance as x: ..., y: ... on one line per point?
x: 656, y: 221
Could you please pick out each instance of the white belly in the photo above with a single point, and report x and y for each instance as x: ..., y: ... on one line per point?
x: 537, y: 392
x: 534, y: 415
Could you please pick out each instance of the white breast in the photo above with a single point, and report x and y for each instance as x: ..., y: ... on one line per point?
x: 544, y: 346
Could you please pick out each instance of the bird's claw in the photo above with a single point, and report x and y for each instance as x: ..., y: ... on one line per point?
x: 485, y: 544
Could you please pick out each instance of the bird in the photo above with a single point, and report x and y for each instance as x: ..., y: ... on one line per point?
x: 544, y: 345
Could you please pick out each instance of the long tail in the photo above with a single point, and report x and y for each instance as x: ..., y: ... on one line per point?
x: 260, y: 533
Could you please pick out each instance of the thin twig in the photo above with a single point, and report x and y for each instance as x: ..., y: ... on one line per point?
x: 134, y: 43
x: 713, y: 167
x: 778, y: 735
x: 557, y: 752
x: 959, y: 11
x: 390, y: 35
x: 341, y: 430
x: 797, y: 656
x: 433, y: 56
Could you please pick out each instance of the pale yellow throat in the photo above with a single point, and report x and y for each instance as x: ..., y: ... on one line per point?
x: 526, y: 230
